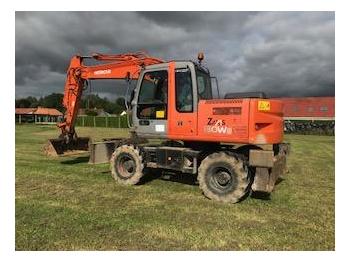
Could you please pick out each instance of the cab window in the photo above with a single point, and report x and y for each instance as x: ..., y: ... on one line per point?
x: 183, y: 89
x: 153, y: 96
x: 203, y: 85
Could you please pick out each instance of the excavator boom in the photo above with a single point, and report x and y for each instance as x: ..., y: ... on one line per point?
x: 120, y: 66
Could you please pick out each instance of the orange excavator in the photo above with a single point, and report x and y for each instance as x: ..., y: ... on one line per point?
x: 233, y: 145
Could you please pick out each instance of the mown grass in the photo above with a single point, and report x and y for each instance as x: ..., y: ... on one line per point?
x: 66, y: 204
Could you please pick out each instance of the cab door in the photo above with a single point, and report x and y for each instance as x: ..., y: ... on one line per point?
x: 150, y: 116
x: 182, y: 109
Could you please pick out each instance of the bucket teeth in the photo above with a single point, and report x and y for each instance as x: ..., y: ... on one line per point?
x: 56, y: 147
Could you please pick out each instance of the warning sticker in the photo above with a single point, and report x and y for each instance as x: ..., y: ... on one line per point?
x: 160, y: 114
x: 264, y: 105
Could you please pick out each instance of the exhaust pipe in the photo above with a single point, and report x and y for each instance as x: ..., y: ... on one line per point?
x: 58, y: 146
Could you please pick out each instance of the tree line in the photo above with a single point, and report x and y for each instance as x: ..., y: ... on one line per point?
x: 90, y: 103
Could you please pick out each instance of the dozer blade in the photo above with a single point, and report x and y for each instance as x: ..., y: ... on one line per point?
x: 57, y: 147
x: 101, y: 152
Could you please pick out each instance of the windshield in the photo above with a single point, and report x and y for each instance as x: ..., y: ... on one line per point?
x: 203, y: 85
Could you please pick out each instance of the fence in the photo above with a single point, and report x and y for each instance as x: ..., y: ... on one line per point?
x: 307, y: 127
x: 102, y: 121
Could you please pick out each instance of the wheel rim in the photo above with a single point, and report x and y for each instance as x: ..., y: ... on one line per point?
x: 221, y: 180
x: 126, y: 166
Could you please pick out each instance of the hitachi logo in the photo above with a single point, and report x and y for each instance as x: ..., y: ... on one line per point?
x: 103, y: 72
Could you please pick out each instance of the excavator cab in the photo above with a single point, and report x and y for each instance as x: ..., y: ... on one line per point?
x: 166, y: 99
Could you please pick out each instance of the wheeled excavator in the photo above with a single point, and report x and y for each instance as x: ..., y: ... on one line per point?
x: 234, y: 145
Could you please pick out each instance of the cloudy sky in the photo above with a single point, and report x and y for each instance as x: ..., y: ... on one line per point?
x: 280, y: 53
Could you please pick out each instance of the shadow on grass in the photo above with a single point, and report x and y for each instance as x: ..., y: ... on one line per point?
x: 187, y: 179
x: 77, y: 160
x: 150, y: 176
x: 279, y: 180
x: 260, y: 195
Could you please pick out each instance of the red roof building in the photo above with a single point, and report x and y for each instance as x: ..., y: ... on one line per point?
x: 24, y: 111
x: 47, y: 111
x: 38, y: 115
x: 322, y: 108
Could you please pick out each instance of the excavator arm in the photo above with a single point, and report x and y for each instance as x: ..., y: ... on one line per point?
x: 121, y: 66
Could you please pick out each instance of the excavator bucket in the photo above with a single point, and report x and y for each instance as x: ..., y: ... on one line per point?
x: 56, y: 147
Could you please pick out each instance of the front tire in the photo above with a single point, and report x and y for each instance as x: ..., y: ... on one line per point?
x: 126, y: 165
x: 223, y: 177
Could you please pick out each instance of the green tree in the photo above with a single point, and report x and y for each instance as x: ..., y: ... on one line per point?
x: 120, y: 105
x: 53, y: 100
x: 33, y: 101
x: 89, y: 102
x: 22, y: 103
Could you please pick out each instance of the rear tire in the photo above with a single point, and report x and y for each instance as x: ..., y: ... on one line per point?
x: 224, y: 178
x: 126, y: 165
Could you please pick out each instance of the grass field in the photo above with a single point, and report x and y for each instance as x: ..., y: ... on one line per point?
x: 65, y: 204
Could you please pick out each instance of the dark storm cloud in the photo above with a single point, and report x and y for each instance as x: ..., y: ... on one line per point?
x: 281, y: 53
